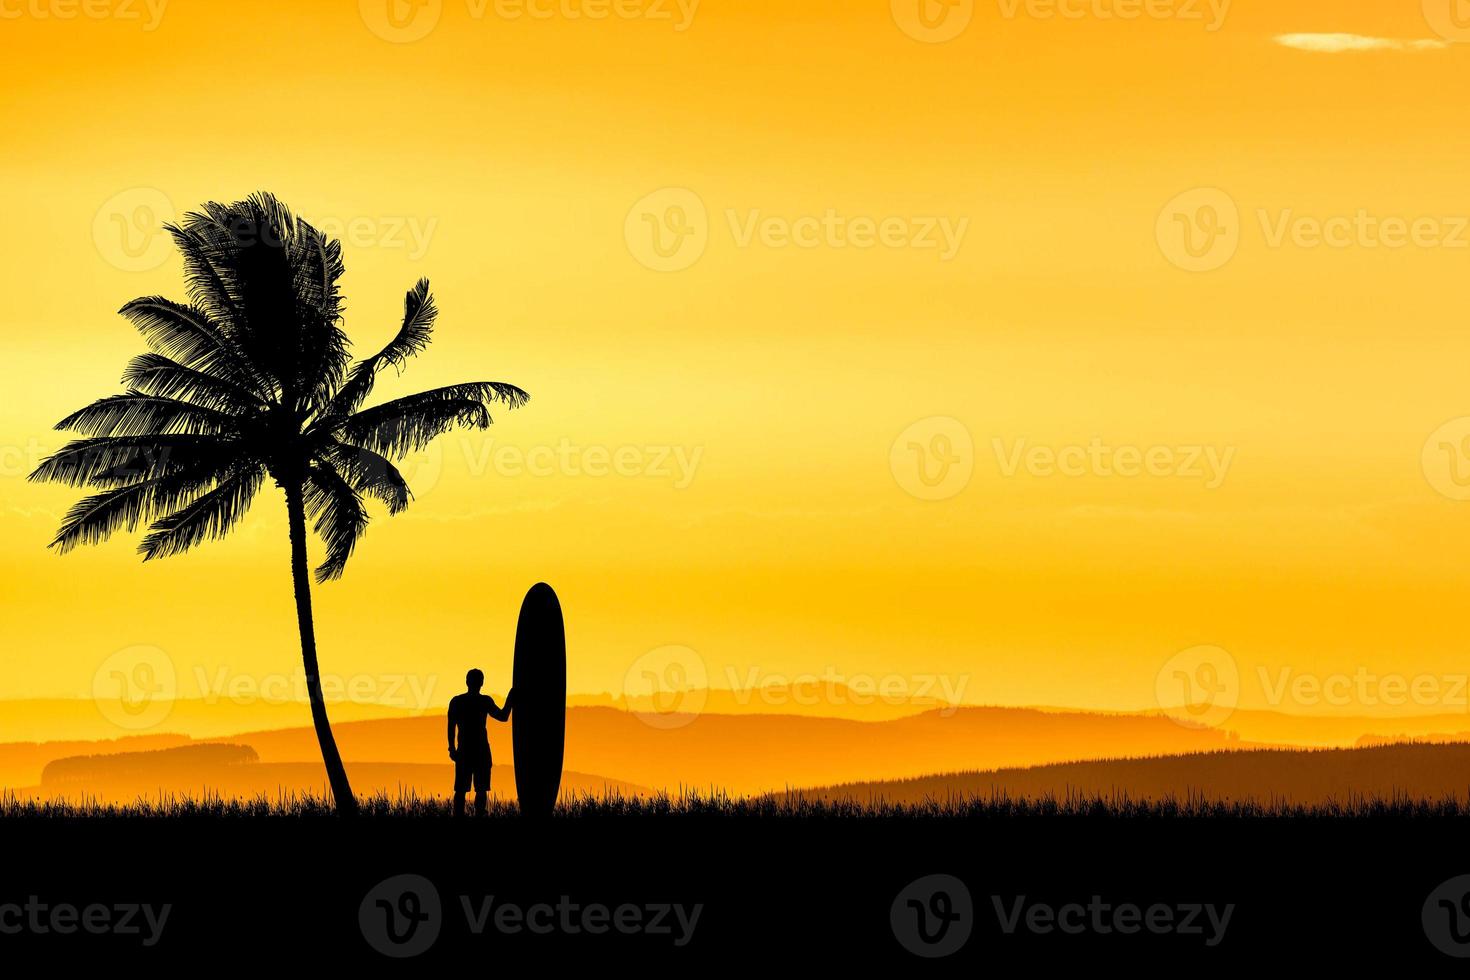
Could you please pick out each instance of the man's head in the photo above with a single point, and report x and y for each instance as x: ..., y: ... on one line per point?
x: 475, y: 680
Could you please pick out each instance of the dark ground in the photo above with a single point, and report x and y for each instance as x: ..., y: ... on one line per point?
x: 785, y: 891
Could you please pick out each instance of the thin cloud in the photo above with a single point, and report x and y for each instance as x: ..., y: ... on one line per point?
x: 1339, y: 43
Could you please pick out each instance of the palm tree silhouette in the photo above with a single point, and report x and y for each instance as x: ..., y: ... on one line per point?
x: 253, y: 379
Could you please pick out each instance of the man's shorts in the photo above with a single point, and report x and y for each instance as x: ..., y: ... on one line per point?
x: 472, y: 767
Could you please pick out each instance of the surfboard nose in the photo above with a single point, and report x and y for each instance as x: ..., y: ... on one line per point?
x: 541, y: 596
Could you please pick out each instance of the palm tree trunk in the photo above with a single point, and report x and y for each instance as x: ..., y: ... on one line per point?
x: 336, y: 773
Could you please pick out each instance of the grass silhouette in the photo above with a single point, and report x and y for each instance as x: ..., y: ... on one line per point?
x: 715, y: 806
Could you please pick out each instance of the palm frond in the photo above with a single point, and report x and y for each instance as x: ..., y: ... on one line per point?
x: 244, y: 251
x: 207, y: 243
x: 94, y: 518
x: 317, y: 264
x: 192, y: 337
x: 369, y: 473
x: 155, y: 374
x: 110, y: 461
x: 137, y: 414
x: 210, y: 516
x: 419, y: 313
x: 339, y: 518
x: 408, y: 424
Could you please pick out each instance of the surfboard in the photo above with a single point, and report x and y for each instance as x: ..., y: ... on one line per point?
x: 538, y: 715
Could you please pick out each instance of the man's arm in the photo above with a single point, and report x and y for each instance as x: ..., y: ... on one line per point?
x: 499, y: 713
x: 451, y: 731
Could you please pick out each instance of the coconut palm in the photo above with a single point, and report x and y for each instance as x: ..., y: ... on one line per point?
x: 252, y: 378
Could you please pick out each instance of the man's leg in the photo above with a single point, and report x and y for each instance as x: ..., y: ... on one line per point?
x: 462, y: 776
x: 482, y: 786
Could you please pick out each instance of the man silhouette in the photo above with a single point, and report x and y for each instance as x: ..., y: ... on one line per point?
x: 471, y: 755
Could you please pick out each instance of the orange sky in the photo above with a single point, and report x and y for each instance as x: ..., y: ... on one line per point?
x: 757, y: 390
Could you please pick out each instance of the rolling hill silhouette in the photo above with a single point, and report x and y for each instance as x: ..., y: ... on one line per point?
x: 741, y: 754
x: 21, y: 763
x: 738, y: 754
x: 223, y: 769
x: 1295, y: 776
x: 84, y: 719
x: 744, y: 754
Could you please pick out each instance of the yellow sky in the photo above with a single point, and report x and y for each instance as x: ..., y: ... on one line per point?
x: 756, y: 389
